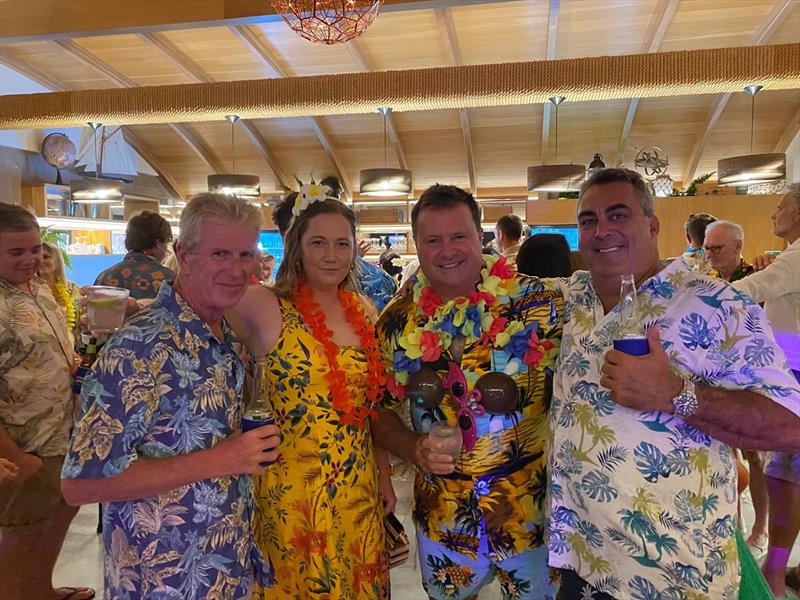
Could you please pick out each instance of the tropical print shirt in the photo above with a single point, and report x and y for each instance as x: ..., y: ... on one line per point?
x: 498, y: 488
x: 139, y: 273
x: 643, y: 505
x: 375, y: 283
x: 35, y: 364
x: 164, y: 386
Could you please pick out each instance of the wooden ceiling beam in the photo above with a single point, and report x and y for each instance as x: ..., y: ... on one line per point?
x: 447, y: 34
x: 780, y: 10
x: 324, y: 139
x: 195, y: 71
x: 121, y: 80
x: 161, y: 42
x: 655, y: 35
x: 250, y: 38
x: 198, y: 146
x: 552, y: 36
x: 358, y: 56
x: 9, y: 58
x: 248, y: 35
x: 38, y: 20
x: 791, y: 129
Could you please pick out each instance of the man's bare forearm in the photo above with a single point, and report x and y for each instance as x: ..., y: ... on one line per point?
x: 745, y: 419
x: 391, y: 434
x: 145, y: 478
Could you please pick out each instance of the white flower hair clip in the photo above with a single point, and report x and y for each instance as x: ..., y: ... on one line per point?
x: 308, y: 194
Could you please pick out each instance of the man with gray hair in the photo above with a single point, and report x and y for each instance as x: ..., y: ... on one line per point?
x: 157, y: 439
x: 723, y: 247
x: 643, y: 484
x: 778, y: 287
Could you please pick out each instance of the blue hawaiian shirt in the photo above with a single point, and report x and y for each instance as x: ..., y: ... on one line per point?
x: 375, y: 283
x: 643, y: 505
x: 163, y: 386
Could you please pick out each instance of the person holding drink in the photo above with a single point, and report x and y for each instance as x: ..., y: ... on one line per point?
x: 319, y: 516
x: 643, y: 492
x: 472, y: 351
x: 157, y: 439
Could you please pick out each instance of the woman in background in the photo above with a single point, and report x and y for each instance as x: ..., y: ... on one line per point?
x: 545, y: 255
x: 66, y: 293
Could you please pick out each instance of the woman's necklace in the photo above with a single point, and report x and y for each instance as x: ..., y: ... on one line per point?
x: 350, y: 412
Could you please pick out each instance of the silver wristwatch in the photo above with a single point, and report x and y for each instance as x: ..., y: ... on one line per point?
x: 686, y: 402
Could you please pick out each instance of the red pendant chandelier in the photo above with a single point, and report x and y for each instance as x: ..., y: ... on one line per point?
x: 328, y: 21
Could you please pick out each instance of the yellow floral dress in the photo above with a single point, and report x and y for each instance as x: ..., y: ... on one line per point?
x: 318, y: 517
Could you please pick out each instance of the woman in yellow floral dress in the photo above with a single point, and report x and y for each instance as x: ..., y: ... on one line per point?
x: 319, y: 514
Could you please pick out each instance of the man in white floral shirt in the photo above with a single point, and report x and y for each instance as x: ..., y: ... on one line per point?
x: 643, y: 492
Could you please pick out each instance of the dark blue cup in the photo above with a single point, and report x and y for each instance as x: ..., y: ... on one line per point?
x: 255, y: 418
x: 635, y: 345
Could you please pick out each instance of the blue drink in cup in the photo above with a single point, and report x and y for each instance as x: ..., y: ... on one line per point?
x: 635, y: 345
x: 255, y: 417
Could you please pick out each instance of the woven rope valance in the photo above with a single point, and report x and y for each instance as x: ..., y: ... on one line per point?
x: 681, y: 73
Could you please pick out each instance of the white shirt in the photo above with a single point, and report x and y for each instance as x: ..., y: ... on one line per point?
x: 643, y: 503
x: 778, y: 287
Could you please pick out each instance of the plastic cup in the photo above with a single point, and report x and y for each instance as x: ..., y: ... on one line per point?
x: 449, y: 437
x: 635, y: 345
x: 106, y: 308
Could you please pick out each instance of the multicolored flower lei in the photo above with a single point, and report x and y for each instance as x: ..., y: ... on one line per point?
x: 470, y: 317
x: 65, y: 300
x: 341, y: 398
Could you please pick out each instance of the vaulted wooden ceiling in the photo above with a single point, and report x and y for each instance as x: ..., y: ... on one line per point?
x: 486, y: 149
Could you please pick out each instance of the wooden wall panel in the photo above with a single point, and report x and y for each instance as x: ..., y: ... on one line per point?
x: 752, y: 212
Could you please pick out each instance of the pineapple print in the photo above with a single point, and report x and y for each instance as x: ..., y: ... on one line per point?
x: 448, y: 576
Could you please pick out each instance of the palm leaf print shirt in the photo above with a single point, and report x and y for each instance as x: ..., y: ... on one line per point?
x: 164, y: 386
x: 643, y: 505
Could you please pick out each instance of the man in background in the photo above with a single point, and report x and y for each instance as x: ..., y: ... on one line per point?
x: 778, y: 287
x: 147, y: 239
x: 508, y: 234
x: 723, y: 248
x: 36, y: 359
x: 695, y: 229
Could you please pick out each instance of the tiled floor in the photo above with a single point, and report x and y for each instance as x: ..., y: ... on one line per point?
x: 81, y: 559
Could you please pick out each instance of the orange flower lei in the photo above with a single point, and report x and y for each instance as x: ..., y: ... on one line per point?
x: 314, y: 320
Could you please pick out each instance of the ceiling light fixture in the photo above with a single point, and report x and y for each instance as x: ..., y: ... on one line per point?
x: 557, y: 177
x: 328, y: 21
x: 752, y: 168
x: 386, y: 181
x: 95, y: 190
x: 234, y: 184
